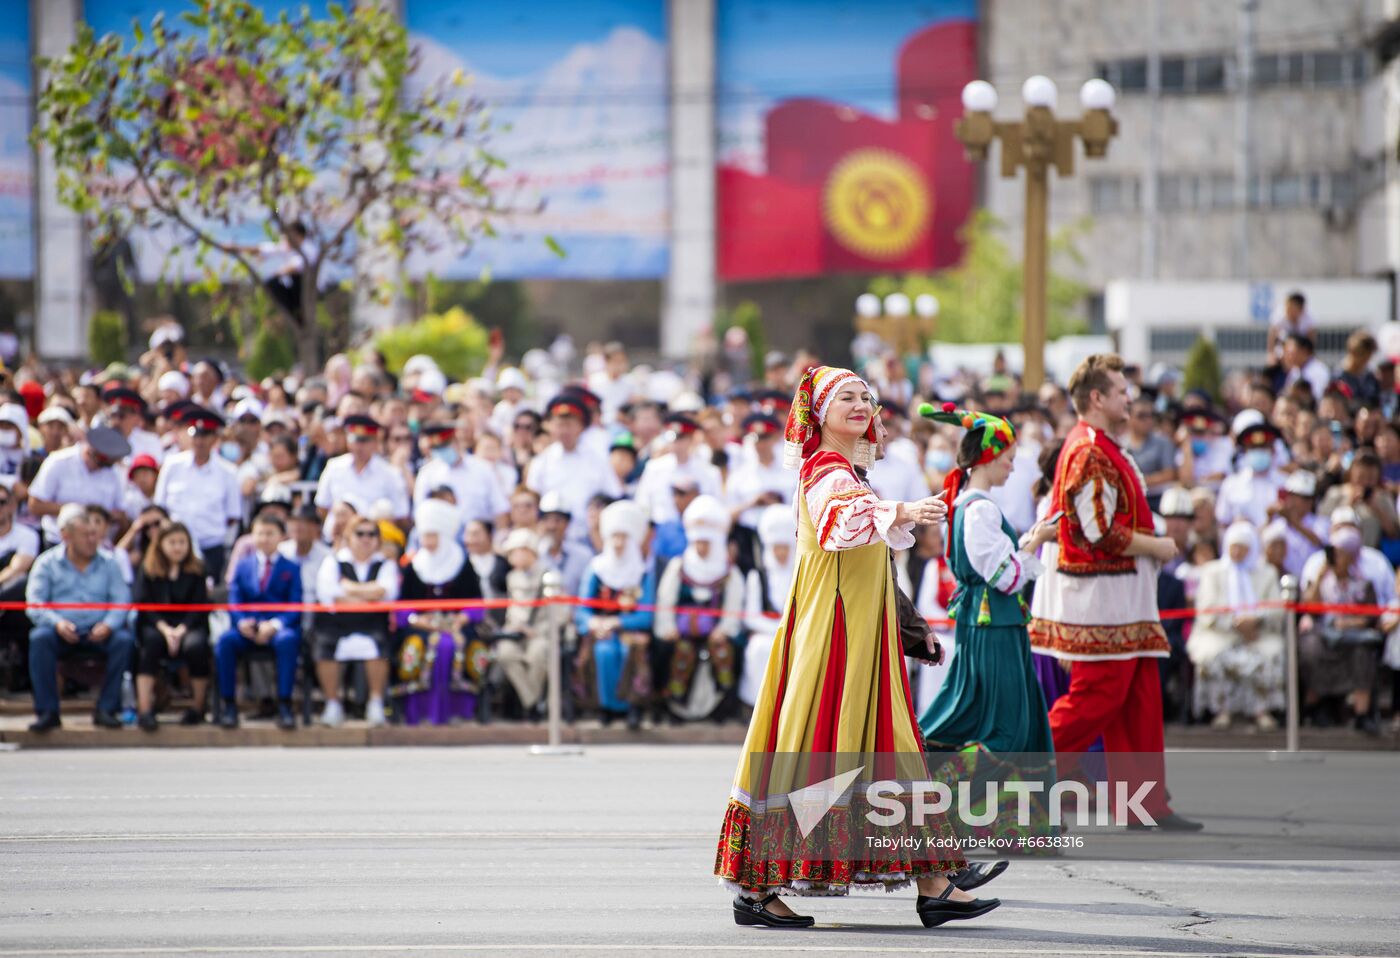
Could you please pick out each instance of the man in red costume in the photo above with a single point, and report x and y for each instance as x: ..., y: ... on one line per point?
x: 1097, y: 604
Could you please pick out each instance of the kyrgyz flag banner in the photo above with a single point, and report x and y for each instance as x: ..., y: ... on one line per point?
x: 837, y: 153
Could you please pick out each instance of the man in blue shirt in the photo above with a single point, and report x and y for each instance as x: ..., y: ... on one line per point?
x: 76, y: 572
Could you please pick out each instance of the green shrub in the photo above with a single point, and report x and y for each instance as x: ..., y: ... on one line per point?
x: 1203, y: 368
x: 272, y: 352
x: 453, y: 339
x: 107, y: 340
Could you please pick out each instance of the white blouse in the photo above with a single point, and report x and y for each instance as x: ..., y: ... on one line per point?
x: 992, y: 553
x: 847, y: 514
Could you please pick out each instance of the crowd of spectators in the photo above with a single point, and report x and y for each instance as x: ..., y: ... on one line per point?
x: 657, y: 496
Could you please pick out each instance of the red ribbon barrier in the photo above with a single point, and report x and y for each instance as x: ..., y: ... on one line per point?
x: 461, y: 605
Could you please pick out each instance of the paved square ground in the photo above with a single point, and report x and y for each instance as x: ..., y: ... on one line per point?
x: 491, y: 850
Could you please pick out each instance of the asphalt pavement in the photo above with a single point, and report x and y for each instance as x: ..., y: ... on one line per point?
x: 493, y: 850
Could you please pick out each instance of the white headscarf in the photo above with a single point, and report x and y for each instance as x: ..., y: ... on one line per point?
x: 443, y: 563
x: 776, y: 526
x: 1239, y: 591
x: 706, y: 520
x: 622, y: 570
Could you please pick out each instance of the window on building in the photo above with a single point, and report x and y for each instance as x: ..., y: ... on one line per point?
x: 1327, y: 68
x: 1222, y: 191
x: 1113, y: 194
x: 1132, y: 75
x: 1173, y: 75
x: 1266, y: 70
x: 1209, y: 74
x: 1286, y: 191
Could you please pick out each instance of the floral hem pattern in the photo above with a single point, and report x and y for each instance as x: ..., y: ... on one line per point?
x: 777, y: 858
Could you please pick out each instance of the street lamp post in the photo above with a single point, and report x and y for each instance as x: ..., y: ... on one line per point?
x: 1036, y: 143
x: 902, y: 323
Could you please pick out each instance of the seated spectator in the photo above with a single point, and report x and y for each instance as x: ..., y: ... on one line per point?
x: 668, y: 541
x: 79, y: 475
x: 1372, y: 503
x: 200, y: 489
x: 1238, y: 655
x: 702, y: 578
x: 431, y: 684
x: 75, y: 572
x: 141, y: 478
x: 102, y: 524
x: 559, y: 551
x: 265, y: 576
x: 1339, y: 651
x: 766, y: 591
x: 1293, y: 514
x: 613, y: 665
x: 521, y: 649
x: 355, y: 574
x: 19, y: 545
x: 171, y: 574
x: 491, y: 567
x: 305, y: 548
x: 1250, y: 489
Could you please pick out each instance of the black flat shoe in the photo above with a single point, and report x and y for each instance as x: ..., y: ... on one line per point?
x: 146, y: 722
x: 754, y: 911
x: 286, y: 721
x: 1171, y: 822
x: 977, y: 874
x: 192, y: 717
x: 634, y: 718
x: 230, y: 717
x: 938, y: 909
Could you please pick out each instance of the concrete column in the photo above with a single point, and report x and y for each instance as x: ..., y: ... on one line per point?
x: 689, y: 302
x: 60, y: 261
x: 378, y: 265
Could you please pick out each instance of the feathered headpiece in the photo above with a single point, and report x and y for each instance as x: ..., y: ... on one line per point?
x: 996, y: 433
x: 808, y: 411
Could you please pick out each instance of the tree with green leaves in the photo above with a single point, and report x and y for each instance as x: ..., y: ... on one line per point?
x: 980, y: 299
x: 229, y: 133
x: 1202, y: 368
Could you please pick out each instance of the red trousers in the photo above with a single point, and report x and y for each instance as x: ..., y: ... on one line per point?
x: 1121, y: 701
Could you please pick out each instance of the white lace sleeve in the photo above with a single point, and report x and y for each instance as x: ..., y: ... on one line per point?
x: 992, y: 552
x: 847, y: 514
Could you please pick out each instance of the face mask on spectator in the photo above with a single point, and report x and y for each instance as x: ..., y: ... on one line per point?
x: 447, y: 454
x: 8, y: 440
x: 1260, y: 460
x: 230, y: 450
x: 1199, y: 446
x: 938, y: 460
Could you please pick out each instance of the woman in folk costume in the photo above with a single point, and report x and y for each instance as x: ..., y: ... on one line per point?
x: 1239, y: 656
x: 765, y: 591
x: 434, y: 643
x: 700, y: 602
x: 991, y: 698
x: 612, y: 667
x: 835, y: 683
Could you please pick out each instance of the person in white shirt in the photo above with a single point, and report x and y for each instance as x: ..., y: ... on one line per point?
x: 686, y: 460
x: 1292, y: 318
x: 1304, y: 531
x: 81, y: 474
x: 473, y: 482
x: 126, y: 413
x: 572, y: 473
x: 285, y: 263
x: 596, y: 438
x: 362, y: 475
x: 1249, y: 492
x: 758, y: 483
x: 355, y: 574
x: 766, y: 593
x: 1372, y: 564
x: 895, y: 475
x: 1212, y: 453
x: 200, y: 490
x: 613, y: 385
x: 1302, y: 364
x: 19, y: 545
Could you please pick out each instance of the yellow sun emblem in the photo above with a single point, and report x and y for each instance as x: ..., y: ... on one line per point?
x: 875, y: 203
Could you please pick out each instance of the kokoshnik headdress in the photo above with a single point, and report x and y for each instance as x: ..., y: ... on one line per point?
x: 808, y: 411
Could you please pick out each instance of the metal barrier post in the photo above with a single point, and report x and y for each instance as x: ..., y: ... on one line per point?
x: 1290, y: 636
x: 552, y: 588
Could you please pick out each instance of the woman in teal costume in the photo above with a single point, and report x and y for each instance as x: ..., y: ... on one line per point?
x: 990, y: 700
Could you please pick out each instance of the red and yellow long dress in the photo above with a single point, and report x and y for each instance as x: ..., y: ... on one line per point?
x: 835, y: 683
